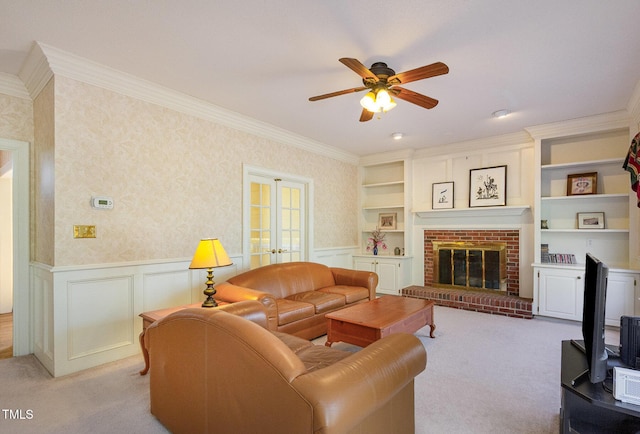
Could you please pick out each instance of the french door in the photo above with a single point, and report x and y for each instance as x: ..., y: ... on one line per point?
x: 277, y: 219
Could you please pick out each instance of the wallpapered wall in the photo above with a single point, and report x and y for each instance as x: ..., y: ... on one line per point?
x: 174, y: 179
x: 16, y: 118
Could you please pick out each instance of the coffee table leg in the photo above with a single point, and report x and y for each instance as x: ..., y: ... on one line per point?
x: 433, y: 328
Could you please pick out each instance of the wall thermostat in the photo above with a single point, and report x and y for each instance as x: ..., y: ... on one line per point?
x: 102, y: 202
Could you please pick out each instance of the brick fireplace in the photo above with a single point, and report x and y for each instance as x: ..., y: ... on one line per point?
x: 506, y: 302
x: 511, y: 238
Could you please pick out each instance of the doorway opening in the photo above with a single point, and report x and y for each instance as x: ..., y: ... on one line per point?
x: 17, y: 249
x: 6, y: 254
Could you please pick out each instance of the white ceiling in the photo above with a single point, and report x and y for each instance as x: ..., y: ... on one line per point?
x: 544, y: 60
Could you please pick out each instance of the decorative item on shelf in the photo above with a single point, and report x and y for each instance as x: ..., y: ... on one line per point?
x: 544, y: 224
x: 582, y: 183
x: 388, y: 221
x: 442, y: 195
x: 488, y: 186
x: 396, y: 251
x: 590, y: 220
x: 562, y: 258
x: 544, y: 253
x: 375, y: 241
x: 209, y: 254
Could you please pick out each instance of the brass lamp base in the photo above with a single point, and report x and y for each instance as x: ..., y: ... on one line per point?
x: 210, y: 290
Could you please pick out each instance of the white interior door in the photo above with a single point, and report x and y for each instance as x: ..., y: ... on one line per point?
x: 277, y: 226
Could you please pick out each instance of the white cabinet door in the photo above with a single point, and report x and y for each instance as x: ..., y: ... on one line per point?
x: 364, y: 264
x: 387, y: 270
x: 392, y: 272
x: 560, y: 293
x: 620, y: 297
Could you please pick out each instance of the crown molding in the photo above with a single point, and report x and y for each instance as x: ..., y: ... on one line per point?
x: 586, y: 125
x: 45, y: 58
x: 12, y: 85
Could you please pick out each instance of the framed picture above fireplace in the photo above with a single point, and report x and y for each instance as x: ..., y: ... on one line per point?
x: 488, y: 186
x: 442, y: 195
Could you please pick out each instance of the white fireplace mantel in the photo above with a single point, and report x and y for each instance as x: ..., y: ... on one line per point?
x: 490, y: 211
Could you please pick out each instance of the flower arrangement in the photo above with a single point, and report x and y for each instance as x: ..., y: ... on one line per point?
x: 376, y: 240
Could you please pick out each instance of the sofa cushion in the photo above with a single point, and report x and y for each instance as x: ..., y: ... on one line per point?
x: 351, y: 294
x: 323, y: 301
x: 294, y: 343
x: 318, y: 356
x: 291, y: 310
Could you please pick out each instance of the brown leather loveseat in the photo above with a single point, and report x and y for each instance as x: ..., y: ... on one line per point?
x: 297, y: 295
x: 217, y: 372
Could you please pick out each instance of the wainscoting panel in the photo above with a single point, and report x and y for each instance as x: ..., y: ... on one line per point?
x: 341, y: 257
x: 42, y: 303
x: 87, y: 316
x: 100, y: 315
x: 161, y: 289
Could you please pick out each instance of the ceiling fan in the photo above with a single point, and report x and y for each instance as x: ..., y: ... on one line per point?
x: 383, y: 82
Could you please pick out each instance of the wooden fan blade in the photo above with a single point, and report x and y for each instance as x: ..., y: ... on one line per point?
x: 421, y: 73
x: 366, y: 115
x: 338, y: 93
x: 415, y: 98
x: 356, y: 66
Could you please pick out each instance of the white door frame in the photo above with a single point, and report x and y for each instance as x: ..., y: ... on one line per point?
x: 247, y: 172
x: 22, y: 320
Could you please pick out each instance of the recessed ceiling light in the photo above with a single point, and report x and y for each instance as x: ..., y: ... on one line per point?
x: 500, y: 113
x: 397, y: 136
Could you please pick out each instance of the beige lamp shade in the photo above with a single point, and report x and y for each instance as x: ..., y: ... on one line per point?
x: 210, y: 254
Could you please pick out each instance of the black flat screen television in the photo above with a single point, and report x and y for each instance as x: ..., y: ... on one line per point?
x: 593, y: 318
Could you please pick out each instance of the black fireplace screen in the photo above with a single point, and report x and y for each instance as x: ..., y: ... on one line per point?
x: 470, y: 266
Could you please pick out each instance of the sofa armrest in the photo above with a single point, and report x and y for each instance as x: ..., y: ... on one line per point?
x: 346, y: 392
x: 233, y: 293
x: 366, y: 279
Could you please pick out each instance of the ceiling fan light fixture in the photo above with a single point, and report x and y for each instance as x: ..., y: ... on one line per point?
x: 390, y: 105
x: 369, y: 102
x: 376, y: 101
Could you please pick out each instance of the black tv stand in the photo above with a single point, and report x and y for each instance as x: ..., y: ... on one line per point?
x: 587, y: 407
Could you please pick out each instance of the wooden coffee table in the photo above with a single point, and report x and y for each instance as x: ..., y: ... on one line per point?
x: 367, y: 322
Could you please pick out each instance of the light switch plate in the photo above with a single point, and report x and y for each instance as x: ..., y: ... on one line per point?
x: 84, y: 231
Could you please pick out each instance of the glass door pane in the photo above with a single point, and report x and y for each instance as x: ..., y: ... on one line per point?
x: 261, y: 218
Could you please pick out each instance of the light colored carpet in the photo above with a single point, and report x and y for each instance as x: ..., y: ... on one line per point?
x: 485, y: 374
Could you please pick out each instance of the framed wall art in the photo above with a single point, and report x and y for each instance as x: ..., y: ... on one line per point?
x: 582, y: 183
x: 442, y: 195
x: 488, y: 186
x: 590, y: 220
x: 388, y: 221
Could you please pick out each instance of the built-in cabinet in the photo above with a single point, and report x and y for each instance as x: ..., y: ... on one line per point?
x: 561, y: 292
x: 586, y: 146
x: 384, y: 205
x: 393, y: 273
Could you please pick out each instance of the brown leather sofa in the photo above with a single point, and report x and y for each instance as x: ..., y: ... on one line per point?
x: 217, y: 372
x: 297, y: 295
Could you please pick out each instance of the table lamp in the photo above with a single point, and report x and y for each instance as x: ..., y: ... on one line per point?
x: 209, y: 254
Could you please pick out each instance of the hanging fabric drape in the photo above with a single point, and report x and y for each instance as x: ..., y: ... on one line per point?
x: 632, y: 165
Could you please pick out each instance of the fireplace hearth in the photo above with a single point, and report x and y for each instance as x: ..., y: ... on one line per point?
x: 503, y: 301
